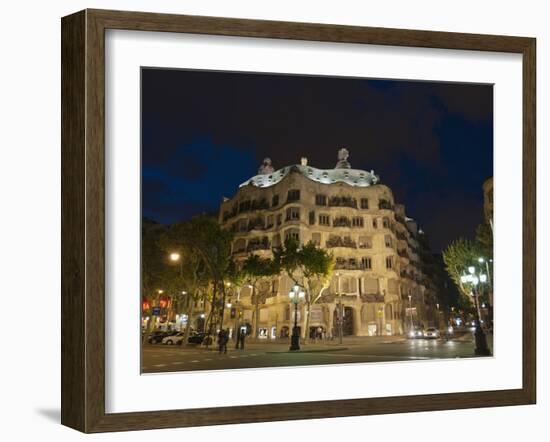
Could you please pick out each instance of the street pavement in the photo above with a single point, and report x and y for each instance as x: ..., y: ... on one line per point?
x: 158, y: 358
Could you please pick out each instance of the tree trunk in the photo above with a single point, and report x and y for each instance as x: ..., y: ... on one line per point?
x: 307, y: 314
x: 255, y: 321
x: 212, y: 314
x: 222, y: 308
x: 190, y: 311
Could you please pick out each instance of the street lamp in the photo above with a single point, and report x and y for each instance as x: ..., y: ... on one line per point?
x: 295, y: 296
x: 473, y: 279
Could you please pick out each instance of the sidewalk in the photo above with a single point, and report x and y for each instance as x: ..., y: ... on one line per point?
x: 282, y: 345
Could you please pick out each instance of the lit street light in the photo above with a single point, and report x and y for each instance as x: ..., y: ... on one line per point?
x: 295, y: 296
x: 473, y: 279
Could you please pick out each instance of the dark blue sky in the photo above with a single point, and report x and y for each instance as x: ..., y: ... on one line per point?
x: 203, y: 133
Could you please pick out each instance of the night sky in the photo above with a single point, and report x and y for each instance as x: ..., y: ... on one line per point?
x: 204, y: 133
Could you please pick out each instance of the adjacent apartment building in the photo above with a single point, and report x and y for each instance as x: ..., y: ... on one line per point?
x: 378, y: 276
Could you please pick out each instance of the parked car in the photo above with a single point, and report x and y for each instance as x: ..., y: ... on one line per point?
x: 156, y: 337
x: 196, y: 338
x: 174, y: 339
x: 416, y: 333
x: 432, y: 333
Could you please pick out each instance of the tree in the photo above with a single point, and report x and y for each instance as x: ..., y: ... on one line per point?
x: 309, y: 266
x: 205, y: 251
x: 458, y: 256
x: 152, y: 265
x: 256, y: 269
x: 151, y: 256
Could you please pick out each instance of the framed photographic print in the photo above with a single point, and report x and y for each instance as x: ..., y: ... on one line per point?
x: 271, y: 220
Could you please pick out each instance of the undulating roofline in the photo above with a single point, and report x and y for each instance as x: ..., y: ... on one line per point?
x: 342, y: 173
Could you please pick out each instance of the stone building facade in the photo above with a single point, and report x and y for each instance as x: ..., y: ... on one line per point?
x: 378, y: 274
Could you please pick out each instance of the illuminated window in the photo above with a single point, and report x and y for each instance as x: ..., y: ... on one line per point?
x: 292, y: 213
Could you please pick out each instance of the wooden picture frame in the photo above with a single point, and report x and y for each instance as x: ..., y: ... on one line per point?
x: 83, y: 220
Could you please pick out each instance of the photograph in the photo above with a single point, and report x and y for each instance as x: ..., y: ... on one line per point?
x: 304, y: 220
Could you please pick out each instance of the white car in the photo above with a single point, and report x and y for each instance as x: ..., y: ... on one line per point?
x: 176, y: 339
x: 432, y: 333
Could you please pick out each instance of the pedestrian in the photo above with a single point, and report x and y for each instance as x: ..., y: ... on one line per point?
x: 242, y: 335
x: 225, y: 340
x: 237, y: 338
x: 222, y: 341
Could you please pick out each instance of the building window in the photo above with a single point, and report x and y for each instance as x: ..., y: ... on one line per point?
x: 270, y: 221
x: 274, y: 286
x: 324, y: 220
x: 366, y: 263
x: 374, y: 223
x: 386, y: 222
x: 279, y: 219
x: 311, y: 217
x: 321, y: 200
x: 389, y: 262
x: 316, y: 239
x: 341, y: 221
x: 365, y: 242
x: 357, y: 221
x: 292, y: 234
x: 244, y: 206
x: 243, y: 225
x: 239, y: 246
x: 364, y: 203
x: 293, y: 195
x: 275, y: 201
x: 388, y: 241
x: 292, y: 213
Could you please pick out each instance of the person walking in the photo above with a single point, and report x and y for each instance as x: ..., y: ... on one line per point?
x: 223, y: 337
x: 238, y: 339
x: 242, y: 335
